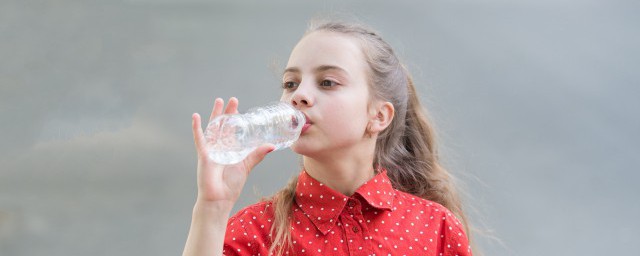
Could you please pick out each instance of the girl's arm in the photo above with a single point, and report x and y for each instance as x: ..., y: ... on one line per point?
x: 208, y: 225
x: 219, y: 187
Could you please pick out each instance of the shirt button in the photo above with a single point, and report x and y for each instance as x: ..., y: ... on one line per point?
x: 351, y: 204
x: 355, y: 229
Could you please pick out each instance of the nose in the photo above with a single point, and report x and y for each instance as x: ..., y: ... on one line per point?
x: 301, y: 97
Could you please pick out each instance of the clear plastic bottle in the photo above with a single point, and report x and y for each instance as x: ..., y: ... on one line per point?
x: 230, y: 138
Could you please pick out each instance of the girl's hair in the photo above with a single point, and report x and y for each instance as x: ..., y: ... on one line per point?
x: 406, y: 148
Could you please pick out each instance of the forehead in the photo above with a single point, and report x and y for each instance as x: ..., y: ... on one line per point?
x: 328, y: 48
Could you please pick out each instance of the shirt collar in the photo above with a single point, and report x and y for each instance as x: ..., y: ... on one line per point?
x: 322, y: 205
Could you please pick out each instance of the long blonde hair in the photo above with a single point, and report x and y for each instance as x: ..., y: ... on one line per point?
x: 407, y: 148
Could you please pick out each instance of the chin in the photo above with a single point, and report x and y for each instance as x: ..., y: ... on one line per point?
x: 299, y: 149
x: 304, y: 148
x: 313, y: 150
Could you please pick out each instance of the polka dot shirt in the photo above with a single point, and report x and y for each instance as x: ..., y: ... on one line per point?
x: 376, y: 220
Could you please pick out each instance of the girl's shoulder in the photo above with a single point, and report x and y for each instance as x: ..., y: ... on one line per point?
x: 260, y: 211
x: 425, y: 207
x: 410, y: 200
x: 446, y: 225
x: 248, y: 230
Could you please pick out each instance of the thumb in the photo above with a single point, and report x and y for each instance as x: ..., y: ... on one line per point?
x: 258, y: 155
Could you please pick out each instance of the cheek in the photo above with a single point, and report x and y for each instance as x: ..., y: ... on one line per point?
x: 346, y: 121
x: 285, y: 97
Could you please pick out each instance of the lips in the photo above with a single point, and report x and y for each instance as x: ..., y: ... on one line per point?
x: 307, y: 123
x: 306, y: 117
x: 305, y: 127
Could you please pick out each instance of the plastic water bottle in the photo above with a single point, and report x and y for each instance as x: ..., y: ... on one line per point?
x: 230, y: 138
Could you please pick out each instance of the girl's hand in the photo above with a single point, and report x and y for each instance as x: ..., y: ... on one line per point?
x: 221, y: 184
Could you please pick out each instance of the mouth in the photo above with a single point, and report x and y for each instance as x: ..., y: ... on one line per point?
x: 306, y: 118
x: 306, y: 125
x: 305, y: 128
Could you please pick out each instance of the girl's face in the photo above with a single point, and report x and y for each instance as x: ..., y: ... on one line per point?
x: 326, y: 78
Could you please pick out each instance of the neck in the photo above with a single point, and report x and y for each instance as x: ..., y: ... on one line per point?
x: 342, y: 172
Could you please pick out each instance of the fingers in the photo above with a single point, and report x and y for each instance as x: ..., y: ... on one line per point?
x: 217, y: 108
x: 257, y: 156
x: 198, y: 137
x: 232, y: 106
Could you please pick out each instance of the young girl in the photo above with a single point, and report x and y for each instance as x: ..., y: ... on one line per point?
x: 371, y: 182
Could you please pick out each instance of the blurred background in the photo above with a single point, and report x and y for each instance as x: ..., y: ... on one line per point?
x: 535, y: 103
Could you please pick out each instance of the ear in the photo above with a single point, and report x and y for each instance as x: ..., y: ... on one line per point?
x: 382, y: 115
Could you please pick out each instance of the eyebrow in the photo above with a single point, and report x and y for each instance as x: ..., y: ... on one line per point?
x: 316, y: 70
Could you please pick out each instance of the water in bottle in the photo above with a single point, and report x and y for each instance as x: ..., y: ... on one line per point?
x: 230, y: 138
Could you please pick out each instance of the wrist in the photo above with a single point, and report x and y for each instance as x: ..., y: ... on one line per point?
x: 212, y: 209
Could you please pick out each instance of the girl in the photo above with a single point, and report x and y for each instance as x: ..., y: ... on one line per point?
x: 370, y: 184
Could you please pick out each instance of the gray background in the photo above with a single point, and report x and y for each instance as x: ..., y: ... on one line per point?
x: 535, y: 102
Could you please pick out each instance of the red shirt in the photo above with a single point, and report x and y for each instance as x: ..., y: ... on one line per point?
x: 376, y: 220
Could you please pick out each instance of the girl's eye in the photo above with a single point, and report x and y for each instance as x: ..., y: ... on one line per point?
x: 289, y: 85
x: 327, y: 83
